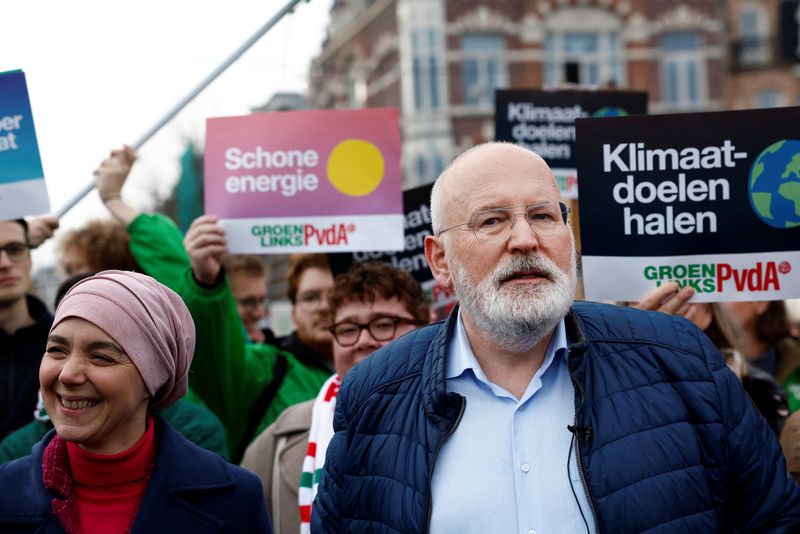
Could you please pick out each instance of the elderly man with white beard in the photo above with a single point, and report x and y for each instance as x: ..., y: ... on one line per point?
x: 527, y: 412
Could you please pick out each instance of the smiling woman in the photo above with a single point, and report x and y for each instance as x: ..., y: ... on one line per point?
x: 93, y: 392
x: 121, y: 346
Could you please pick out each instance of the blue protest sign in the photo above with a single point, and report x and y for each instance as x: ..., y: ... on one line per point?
x: 22, y: 187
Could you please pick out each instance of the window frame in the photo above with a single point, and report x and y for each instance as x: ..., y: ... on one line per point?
x: 490, y: 67
x: 679, y: 66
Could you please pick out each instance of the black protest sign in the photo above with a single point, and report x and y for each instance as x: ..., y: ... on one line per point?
x: 544, y: 122
x: 710, y: 200
x: 416, y: 207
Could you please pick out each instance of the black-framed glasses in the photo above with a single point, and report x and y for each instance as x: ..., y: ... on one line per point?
x: 311, y: 299
x: 495, y: 224
x: 346, y: 333
x: 251, y: 303
x: 16, y: 251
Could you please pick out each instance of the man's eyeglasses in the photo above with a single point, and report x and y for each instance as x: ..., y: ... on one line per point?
x: 495, y: 225
x: 251, y: 303
x: 347, y: 333
x: 16, y: 251
x: 311, y: 299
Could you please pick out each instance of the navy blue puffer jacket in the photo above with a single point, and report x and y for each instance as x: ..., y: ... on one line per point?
x: 674, y: 446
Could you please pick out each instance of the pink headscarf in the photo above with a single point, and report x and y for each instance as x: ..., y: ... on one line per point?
x: 148, y: 320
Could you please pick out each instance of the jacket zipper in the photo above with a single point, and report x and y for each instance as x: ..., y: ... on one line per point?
x: 578, y: 461
x: 583, y: 479
x: 433, y: 463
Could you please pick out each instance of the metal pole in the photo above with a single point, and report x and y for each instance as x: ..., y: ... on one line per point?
x: 288, y: 8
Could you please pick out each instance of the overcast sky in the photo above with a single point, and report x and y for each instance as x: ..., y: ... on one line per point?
x: 100, y: 73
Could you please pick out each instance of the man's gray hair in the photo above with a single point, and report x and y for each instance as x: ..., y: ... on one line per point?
x: 436, y: 205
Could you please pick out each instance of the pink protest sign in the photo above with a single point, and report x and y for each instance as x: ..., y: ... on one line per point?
x: 321, y: 181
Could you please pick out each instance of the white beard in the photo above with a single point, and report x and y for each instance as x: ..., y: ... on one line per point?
x: 517, y: 316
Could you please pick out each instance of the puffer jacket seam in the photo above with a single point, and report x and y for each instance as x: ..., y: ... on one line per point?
x: 649, y: 477
x: 385, y: 477
x: 369, y: 395
x: 681, y: 518
x: 394, y: 435
x: 653, y: 344
x: 737, y: 425
x: 649, y: 429
x: 373, y: 522
x: 713, y: 372
x: 649, y: 384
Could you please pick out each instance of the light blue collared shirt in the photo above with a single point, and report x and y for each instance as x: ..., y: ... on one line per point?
x: 505, y: 468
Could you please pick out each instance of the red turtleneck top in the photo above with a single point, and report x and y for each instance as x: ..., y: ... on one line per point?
x: 109, y: 488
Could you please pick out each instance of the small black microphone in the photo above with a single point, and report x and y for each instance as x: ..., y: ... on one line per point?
x: 582, y: 433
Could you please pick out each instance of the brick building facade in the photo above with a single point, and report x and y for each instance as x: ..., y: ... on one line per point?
x: 763, y: 67
x: 441, y: 61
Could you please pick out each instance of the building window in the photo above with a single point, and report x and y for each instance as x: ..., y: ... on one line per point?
x: 357, y: 89
x: 483, y: 68
x: 587, y: 58
x: 425, y: 66
x: 427, y: 166
x: 769, y: 98
x: 422, y: 169
x: 683, y: 79
x: 438, y: 164
x: 753, y: 45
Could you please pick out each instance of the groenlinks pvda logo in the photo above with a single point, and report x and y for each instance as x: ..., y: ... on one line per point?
x: 774, y: 184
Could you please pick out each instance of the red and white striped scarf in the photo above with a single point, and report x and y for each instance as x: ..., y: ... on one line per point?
x: 319, y: 435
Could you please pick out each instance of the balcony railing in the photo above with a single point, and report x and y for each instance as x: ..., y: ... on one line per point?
x: 751, y: 53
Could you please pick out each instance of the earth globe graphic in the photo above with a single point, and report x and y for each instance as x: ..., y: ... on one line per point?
x: 610, y: 111
x: 774, y: 184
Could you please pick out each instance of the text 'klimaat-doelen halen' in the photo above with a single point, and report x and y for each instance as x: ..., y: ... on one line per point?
x: 633, y: 191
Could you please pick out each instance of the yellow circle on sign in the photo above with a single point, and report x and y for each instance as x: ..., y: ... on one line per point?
x: 355, y: 167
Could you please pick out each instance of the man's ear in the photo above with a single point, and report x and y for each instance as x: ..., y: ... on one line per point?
x: 434, y: 254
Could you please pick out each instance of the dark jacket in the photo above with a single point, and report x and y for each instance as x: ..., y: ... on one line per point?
x: 304, y: 353
x: 190, y: 490
x: 768, y: 396
x: 667, y: 440
x: 20, y: 356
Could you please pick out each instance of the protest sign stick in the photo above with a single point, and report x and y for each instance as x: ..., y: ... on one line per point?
x: 288, y: 8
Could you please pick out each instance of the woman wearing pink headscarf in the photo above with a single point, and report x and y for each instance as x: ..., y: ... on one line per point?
x: 121, y: 345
